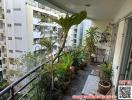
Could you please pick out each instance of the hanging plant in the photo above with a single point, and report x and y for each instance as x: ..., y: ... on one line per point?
x: 105, y: 36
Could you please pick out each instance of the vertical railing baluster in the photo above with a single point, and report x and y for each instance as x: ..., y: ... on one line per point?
x: 12, y: 93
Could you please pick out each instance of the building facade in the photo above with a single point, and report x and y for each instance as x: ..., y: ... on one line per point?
x: 3, y: 44
x: 27, y: 21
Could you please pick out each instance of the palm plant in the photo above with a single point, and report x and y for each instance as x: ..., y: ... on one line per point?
x: 48, y: 43
x: 91, y: 39
x: 106, y: 70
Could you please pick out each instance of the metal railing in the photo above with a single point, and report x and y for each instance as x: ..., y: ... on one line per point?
x: 11, y: 88
x: 14, y: 93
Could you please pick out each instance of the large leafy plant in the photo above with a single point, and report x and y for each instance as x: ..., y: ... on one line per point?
x: 65, y: 23
x: 63, y: 66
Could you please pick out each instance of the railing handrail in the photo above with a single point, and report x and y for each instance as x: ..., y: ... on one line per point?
x: 10, y: 87
x: 20, y: 79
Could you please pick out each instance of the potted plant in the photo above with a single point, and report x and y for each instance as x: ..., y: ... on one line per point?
x: 84, y: 60
x: 76, y: 56
x: 105, y: 36
x: 62, y: 70
x: 66, y: 23
x: 105, y: 75
x: 43, y: 89
x: 90, y: 41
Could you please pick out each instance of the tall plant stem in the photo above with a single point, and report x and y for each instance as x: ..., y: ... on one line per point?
x: 62, y: 47
x: 52, y: 71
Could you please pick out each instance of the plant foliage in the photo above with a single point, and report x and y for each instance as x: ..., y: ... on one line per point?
x: 106, y: 69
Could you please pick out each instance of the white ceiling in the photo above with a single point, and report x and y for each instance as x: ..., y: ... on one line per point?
x: 99, y: 9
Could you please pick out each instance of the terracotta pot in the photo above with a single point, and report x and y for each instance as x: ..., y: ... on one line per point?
x: 104, y: 87
x: 73, y: 69
x: 66, y: 84
x: 83, y: 65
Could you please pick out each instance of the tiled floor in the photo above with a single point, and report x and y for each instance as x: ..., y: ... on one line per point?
x: 78, y: 83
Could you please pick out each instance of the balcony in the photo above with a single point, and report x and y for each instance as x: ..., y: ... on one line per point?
x: 36, y: 47
x: 72, y: 71
x: 37, y: 35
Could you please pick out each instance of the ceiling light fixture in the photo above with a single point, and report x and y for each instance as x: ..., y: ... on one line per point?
x: 87, y: 5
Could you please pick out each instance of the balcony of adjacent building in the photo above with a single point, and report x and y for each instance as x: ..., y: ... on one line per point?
x: 104, y: 14
x: 2, y: 26
x: 1, y: 13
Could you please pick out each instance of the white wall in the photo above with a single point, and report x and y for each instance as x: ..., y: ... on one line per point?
x: 29, y: 23
x: 17, y: 31
x: 124, y: 11
x: 118, y: 52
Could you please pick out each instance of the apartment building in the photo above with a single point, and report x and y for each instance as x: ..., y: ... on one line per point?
x: 77, y: 34
x: 24, y: 28
x: 3, y: 47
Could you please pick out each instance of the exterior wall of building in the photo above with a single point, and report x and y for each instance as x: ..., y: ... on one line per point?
x: 3, y: 43
x: 20, y: 21
x: 77, y: 33
x: 86, y: 25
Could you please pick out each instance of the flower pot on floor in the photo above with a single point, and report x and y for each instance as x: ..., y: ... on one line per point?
x: 104, y: 87
x: 82, y: 66
x: 73, y: 69
x: 66, y: 85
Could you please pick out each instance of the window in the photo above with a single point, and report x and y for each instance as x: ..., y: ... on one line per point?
x: 8, y: 11
x: 75, y: 35
x: 11, y: 51
x: 18, y: 51
x: 19, y: 38
x: 1, y: 24
x: 1, y: 37
x: 17, y: 24
x: 9, y: 38
x: 4, y: 61
x: 0, y: 64
x: 75, y: 30
x: 2, y: 48
x: 75, y: 40
x: 1, y: 76
x: 9, y: 25
x: 17, y: 9
x: 0, y: 53
x: 36, y: 40
x: 11, y: 60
